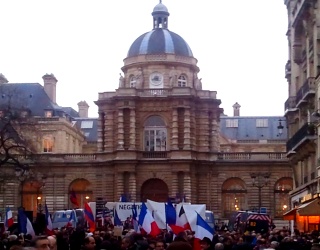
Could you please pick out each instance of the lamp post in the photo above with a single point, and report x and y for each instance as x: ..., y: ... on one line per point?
x: 260, y: 180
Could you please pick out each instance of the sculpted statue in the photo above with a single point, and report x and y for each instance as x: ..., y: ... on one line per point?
x: 172, y: 77
x: 139, y: 78
x: 121, y: 81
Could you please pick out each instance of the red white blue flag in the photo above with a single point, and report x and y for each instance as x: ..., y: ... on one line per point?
x: 147, y: 222
x: 8, y: 222
x: 49, y: 228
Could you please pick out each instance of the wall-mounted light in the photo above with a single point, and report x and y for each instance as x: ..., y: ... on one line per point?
x: 87, y: 197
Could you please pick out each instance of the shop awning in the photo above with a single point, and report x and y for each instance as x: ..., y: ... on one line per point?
x: 311, y: 208
x: 290, y: 215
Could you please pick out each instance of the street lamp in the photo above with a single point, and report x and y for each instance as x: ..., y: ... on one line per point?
x: 260, y: 180
x: 280, y: 127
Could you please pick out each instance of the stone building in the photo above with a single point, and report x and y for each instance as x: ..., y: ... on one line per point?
x: 159, y: 136
x: 302, y: 111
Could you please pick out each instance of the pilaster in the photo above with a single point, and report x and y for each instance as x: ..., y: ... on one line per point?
x: 133, y: 186
x: 132, y: 145
x: 186, y: 143
x: 174, y: 132
x: 120, y: 124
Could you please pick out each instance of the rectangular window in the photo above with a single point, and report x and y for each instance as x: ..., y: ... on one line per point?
x: 48, y: 113
x: 261, y: 123
x: 232, y: 123
x: 47, y: 144
x: 86, y: 124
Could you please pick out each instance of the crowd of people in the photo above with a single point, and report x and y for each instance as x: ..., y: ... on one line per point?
x: 68, y: 238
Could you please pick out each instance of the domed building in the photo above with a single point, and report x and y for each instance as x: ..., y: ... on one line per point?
x: 159, y: 136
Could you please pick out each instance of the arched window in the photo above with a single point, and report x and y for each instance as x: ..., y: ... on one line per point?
x: 182, y: 81
x: 234, y: 196
x: 281, y: 196
x: 155, y: 134
x: 133, y: 82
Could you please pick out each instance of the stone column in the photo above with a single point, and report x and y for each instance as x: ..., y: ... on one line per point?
x: 120, y: 185
x: 133, y: 186
x: 174, y: 184
x: 132, y: 129
x: 120, y: 142
x: 187, y: 186
x: 108, y: 131
x: 214, y: 135
x: 203, y: 135
x: 174, y: 130
x: 186, y: 142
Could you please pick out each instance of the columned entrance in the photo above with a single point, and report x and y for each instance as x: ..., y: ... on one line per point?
x: 154, y: 189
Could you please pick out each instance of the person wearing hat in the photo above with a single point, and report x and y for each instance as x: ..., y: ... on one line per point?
x: 206, y: 244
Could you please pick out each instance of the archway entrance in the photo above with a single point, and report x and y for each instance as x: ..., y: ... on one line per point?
x: 79, y: 193
x: 154, y: 189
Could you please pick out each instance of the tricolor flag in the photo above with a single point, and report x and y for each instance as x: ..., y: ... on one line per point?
x: 25, y: 225
x: 202, y: 230
x: 117, y: 221
x: 135, y: 218
x: 89, y: 217
x: 49, y: 228
x: 147, y: 222
x: 72, y: 219
x: 171, y: 218
x: 73, y: 198
x: 182, y: 220
x: 8, y: 222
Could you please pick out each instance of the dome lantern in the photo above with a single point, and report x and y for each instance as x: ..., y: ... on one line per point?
x: 160, y: 16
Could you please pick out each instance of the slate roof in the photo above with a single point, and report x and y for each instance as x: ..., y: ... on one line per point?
x: 90, y: 132
x: 247, y: 128
x: 160, y: 41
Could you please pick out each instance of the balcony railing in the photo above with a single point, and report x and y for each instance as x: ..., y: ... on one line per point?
x: 304, y: 134
x: 290, y: 103
x: 308, y: 88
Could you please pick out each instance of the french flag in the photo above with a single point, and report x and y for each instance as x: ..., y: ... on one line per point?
x: 147, y: 222
x: 8, y: 222
x: 25, y: 225
x: 202, y: 230
x: 171, y: 218
x: 89, y: 217
x: 72, y: 219
x: 182, y: 220
x: 135, y: 218
x: 49, y: 228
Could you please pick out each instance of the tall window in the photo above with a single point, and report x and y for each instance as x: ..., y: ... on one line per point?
x: 133, y: 81
x: 47, y: 143
x: 155, y: 134
x: 234, y: 196
x: 182, y: 81
x: 281, y: 196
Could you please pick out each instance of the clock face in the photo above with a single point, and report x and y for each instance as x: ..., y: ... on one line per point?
x: 156, y: 78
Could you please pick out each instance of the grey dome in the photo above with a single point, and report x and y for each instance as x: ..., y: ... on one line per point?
x: 160, y: 7
x: 160, y: 41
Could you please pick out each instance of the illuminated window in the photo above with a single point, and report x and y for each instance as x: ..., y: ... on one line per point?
x: 47, y: 144
x: 281, y: 196
x: 234, y: 196
x: 182, y: 81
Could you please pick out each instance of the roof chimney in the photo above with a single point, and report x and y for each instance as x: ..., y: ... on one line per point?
x: 83, y: 109
x: 3, y: 79
x: 236, y: 109
x: 50, y: 82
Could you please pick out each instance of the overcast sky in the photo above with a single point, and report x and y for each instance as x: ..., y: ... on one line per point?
x: 241, y: 46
